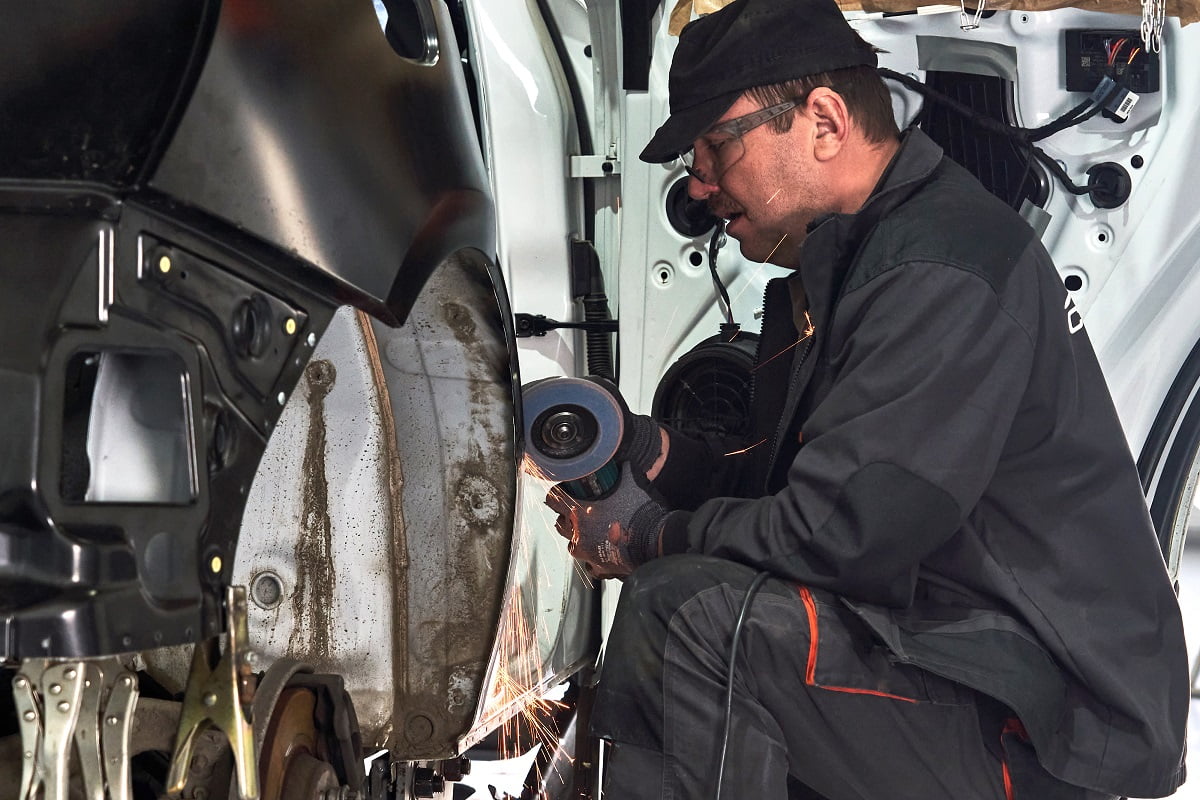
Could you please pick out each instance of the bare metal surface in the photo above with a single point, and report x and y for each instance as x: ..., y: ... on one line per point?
x: 217, y: 696
x: 155, y: 723
x: 384, y: 506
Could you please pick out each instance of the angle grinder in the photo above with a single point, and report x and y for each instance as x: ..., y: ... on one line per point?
x: 572, y: 430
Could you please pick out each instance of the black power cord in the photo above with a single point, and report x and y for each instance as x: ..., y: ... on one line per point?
x: 1024, y: 137
x: 755, y: 585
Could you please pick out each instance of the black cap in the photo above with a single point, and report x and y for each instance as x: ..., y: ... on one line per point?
x: 749, y: 43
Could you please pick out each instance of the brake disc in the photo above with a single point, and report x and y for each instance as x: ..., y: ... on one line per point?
x: 290, y: 760
x: 306, y: 733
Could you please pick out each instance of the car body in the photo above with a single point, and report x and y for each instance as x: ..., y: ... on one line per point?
x: 261, y: 265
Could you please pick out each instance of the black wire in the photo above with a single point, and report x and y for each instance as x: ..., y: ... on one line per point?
x: 1023, y: 137
x: 715, y: 243
x: 733, y: 648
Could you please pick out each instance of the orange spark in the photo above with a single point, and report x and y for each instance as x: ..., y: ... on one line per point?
x: 808, y: 332
x: 746, y: 449
x: 768, y: 258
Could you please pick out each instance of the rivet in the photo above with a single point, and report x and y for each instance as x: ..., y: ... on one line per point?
x: 215, y: 564
x: 164, y: 264
x: 111, y: 721
x: 282, y: 398
x: 29, y: 716
x: 312, y: 340
x: 289, y: 326
x: 127, y: 681
x: 28, y: 754
x: 210, y: 699
x: 64, y: 706
x: 70, y: 674
x: 20, y: 682
x: 55, y: 688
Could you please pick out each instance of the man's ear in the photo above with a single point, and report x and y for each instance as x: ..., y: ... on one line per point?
x: 831, y: 121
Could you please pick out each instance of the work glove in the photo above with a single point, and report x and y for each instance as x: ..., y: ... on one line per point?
x: 616, y: 533
x: 641, y: 441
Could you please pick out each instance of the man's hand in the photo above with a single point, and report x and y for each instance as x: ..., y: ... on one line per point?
x: 643, y: 439
x: 616, y: 533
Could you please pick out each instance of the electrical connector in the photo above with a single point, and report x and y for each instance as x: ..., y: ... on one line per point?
x: 1120, y: 105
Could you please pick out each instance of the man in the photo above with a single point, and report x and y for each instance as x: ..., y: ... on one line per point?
x: 966, y: 597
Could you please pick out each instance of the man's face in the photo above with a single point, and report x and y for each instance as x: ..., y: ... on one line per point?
x: 770, y: 192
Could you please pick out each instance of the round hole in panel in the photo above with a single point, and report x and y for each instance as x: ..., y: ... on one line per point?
x: 1074, y: 279
x: 1100, y: 237
x: 661, y: 274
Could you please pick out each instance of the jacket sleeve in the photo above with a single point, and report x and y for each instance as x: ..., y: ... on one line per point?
x: 929, y: 371
x: 695, y: 467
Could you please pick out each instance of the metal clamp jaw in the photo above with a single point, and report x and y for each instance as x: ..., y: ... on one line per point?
x: 87, y: 705
x: 220, y: 694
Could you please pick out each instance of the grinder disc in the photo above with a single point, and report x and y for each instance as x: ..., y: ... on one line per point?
x: 572, y: 427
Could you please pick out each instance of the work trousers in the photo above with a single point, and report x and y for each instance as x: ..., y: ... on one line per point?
x: 820, y: 709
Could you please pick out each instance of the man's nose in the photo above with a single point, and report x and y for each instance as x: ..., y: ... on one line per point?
x: 699, y: 189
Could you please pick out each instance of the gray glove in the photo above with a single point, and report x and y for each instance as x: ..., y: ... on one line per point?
x: 616, y: 533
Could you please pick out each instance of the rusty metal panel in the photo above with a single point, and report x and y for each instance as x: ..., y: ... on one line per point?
x: 377, y: 533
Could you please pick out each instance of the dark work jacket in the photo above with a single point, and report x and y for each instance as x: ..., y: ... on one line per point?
x: 941, y: 451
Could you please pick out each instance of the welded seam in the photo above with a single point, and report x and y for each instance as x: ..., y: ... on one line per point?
x: 397, y: 532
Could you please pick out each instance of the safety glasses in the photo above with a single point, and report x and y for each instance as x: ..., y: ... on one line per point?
x: 721, y: 146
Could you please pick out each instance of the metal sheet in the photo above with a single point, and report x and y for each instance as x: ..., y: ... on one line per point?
x: 383, y: 512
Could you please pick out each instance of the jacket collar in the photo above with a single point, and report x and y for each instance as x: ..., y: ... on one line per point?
x: 834, y: 238
x: 913, y: 164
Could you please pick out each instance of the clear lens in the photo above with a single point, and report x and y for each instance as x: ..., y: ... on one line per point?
x: 709, y: 159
